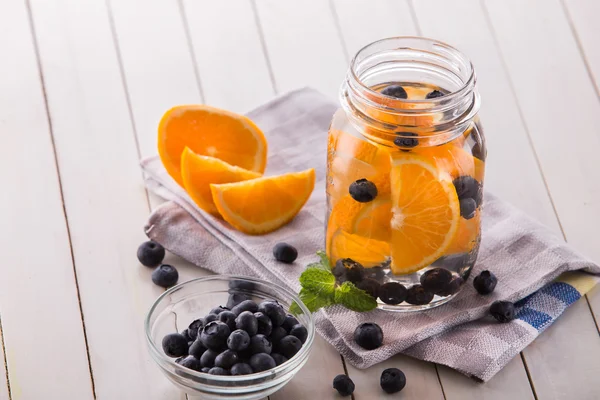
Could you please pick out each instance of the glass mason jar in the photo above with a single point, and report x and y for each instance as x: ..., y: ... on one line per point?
x: 405, y: 167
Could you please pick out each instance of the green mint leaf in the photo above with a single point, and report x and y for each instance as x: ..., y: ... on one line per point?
x: 324, y: 259
x: 354, y: 298
x: 317, y: 265
x: 318, y: 281
x: 312, y: 301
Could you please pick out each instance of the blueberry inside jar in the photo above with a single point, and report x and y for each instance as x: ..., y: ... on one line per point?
x: 405, y: 170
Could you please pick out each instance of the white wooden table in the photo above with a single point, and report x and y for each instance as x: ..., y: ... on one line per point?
x: 84, y: 82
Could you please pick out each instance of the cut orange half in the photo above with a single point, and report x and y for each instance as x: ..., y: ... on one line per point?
x: 198, y: 172
x: 425, y: 211
x: 265, y: 204
x: 212, y: 132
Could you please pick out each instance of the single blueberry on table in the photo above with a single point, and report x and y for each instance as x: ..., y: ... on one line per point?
x: 503, y: 311
x: 262, y: 362
x: 214, y: 335
x: 165, y: 276
x: 417, y: 295
x: 368, y: 335
x: 228, y: 318
x: 285, y: 253
x: 238, y: 340
x: 395, y: 91
x: 289, y: 346
x: 279, y: 359
x: 241, y: 369
x: 226, y: 359
x: 247, y: 305
x: 150, y: 253
x: 485, y: 282
x: 363, y: 190
x: 218, y: 371
x: 265, y: 326
x: 175, y: 345
x: 468, y: 207
x: 191, y: 362
x: 300, y: 332
x: 236, y: 298
x: 344, y: 385
x: 436, y: 279
x: 406, y: 140
x: 392, y: 380
x: 392, y: 293
x: 260, y: 344
x: 434, y: 94
x: 289, y: 322
x: 247, y: 321
x: 273, y: 310
x: 208, y: 358
x: 197, y: 349
x: 371, y: 286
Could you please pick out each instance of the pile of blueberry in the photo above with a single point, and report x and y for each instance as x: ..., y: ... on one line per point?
x: 242, y: 338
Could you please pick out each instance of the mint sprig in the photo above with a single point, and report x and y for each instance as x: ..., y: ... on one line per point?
x: 320, y: 289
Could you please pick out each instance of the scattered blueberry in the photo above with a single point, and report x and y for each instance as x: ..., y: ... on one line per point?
x: 260, y: 344
x: 368, y: 335
x: 226, y: 359
x: 468, y: 187
x: 371, y: 286
x: 265, y: 326
x: 238, y: 340
x: 503, y: 311
x: 210, y: 318
x: 247, y: 305
x: 289, y: 346
x: 436, y: 279
x: 150, y: 253
x: 418, y: 295
x: 191, y: 362
x: 452, y: 287
x: 363, y: 190
x: 236, y: 298
x: 208, y: 358
x: 277, y: 334
x: 273, y: 310
x: 197, y: 349
x: 218, y: 371
x: 241, y: 369
x: 434, y: 95
x: 165, y: 276
x: 289, y: 322
x: 218, y: 310
x: 228, y: 318
x: 241, y: 285
x: 286, y: 253
x: 247, y: 321
x: 344, y: 385
x: 392, y: 380
x: 406, y: 139
x: 300, y: 332
x: 468, y: 207
x: 392, y: 293
x: 485, y: 282
x: 175, y: 345
x: 214, y: 335
x: 262, y: 362
x: 205, y: 370
x: 279, y: 359
x: 395, y: 91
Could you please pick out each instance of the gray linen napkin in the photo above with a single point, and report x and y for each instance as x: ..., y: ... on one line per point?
x: 523, y: 254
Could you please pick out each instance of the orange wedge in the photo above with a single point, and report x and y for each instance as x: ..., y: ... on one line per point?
x: 454, y: 160
x: 370, y: 220
x: 263, y: 205
x: 198, y: 172
x: 212, y: 132
x: 368, y: 252
x: 425, y: 211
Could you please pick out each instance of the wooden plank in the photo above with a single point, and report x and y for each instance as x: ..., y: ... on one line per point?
x: 4, y: 390
x: 104, y: 196
x: 530, y: 47
x: 41, y: 319
x: 229, y: 54
x: 583, y: 17
x: 303, y: 45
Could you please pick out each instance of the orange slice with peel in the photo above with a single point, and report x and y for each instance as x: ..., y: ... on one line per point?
x: 198, y: 172
x: 212, y: 132
x: 263, y: 205
x: 370, y: 220
x: 454, y: 160
x: 369, y: 252
x: 425, y: 211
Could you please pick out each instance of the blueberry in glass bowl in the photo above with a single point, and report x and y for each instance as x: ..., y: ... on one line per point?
x: 178, y: 310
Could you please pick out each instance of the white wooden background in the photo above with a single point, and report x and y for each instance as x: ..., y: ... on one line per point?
x: 84, y: 82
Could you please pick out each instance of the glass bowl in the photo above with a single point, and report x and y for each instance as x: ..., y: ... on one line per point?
x: 177, y: 307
